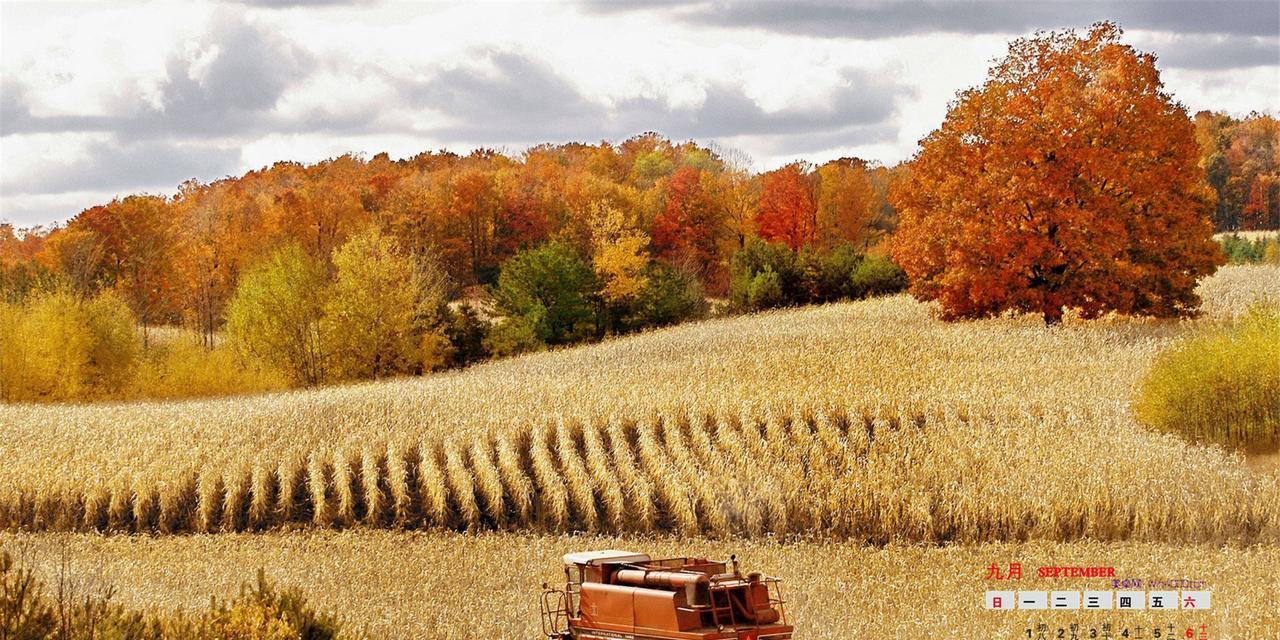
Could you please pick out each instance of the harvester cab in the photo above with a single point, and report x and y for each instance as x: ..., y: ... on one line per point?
x: 620, y: 595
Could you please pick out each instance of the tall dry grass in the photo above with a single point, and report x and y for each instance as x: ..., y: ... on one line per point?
x: 869, y: 420
x: 933, y: 473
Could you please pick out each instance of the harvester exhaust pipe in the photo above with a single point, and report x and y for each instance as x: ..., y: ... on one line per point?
x: 694, y: 584
x: 660, y: 579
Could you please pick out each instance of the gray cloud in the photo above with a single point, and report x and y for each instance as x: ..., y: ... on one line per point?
x: 111, y: 165
x: 521, y: 100
x: 863, y: 99
x: 527, y: 101
x: 252, y: 70
x: 235, y: 93
x: 883, y: 19
x: 1215, y: 53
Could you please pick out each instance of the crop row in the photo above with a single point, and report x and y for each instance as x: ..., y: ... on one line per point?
x: 875, y: 474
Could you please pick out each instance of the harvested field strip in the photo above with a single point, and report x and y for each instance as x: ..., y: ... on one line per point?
x: 439, y: 585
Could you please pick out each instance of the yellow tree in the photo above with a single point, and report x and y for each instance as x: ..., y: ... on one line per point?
x: 739, y: 194
x: 846, y: 203
x: 373, y: 308
x: 619, y: 255
x: 277, y: 311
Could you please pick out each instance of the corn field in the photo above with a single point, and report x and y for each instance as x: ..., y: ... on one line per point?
x: 879, y: 474
x: 867, y: 421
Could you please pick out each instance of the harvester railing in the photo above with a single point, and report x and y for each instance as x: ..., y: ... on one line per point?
x: 725, y: 616
x: 773, y: 587
x: 555, y: 613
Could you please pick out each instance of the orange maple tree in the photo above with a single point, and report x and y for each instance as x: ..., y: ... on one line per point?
x: 787, y: 210
x: 1068, y: 180
x: 845, y: 201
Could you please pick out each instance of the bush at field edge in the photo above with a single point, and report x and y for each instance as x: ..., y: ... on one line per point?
x: 1221, y: 386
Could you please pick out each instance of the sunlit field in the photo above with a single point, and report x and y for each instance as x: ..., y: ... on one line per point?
x: 473, y: 586
x: 846, y: 448
x: 906, y: 426
x: 1247, y: 235
x: 365, y: 321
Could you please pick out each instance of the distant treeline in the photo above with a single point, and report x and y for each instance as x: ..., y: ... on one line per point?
x: 178, y: 259
x: 1241, y: 160
x: 352, y: 269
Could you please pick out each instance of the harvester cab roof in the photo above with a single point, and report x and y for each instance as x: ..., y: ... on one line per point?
x: 625, y: 595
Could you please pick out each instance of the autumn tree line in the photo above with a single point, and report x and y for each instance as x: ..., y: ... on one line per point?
x: 301, y: 263
x: 1069, y: 181
x: 1241, y: 161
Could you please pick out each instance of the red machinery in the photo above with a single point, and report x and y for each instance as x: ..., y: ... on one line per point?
x: 620, y: 595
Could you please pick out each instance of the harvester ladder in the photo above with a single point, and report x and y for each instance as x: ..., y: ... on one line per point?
x: 716, y: 587
x: 773, y: 590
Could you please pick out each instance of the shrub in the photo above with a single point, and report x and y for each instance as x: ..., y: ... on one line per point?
x: 513, y: 336
x: 667, y: 297
x: 1262, y: 248
x: 808, y: 276
x: 466, y: 333
x: 765, y: 291
x: 753, y: 259
x: 113, y: 339
x: 826, y: 276
x: 24, y: 612
x: 1271, y: 255
x: 46, y: 349
x: 56, y: 346
x: 875, y: 276
x: 183, y: 367
x: 550, y: 287
x: 262, y: 611
x: 1222, y: 386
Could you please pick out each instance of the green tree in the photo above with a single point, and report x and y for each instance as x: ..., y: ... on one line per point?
x: 276, y: 314
x: 753, y: 259
x: 668, y: 296
x: 875, y: 276
x: 552, y: 289
x: 765, y: 290
x: 515, y: 335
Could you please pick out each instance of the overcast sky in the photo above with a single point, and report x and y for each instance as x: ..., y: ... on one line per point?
x: 106, y: 99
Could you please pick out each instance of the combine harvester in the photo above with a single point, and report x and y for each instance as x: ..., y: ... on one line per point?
x: 620, y: 595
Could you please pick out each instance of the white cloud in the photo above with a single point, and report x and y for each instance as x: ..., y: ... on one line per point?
x: 157, y: 93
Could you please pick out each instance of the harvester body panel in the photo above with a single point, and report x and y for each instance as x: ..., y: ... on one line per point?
x: 620, y: 595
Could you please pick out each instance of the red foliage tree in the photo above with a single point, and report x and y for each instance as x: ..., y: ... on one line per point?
x: 690, y: 220
x: 136, y: 236
x: 787, y: 209
x: 1068, y: 180
x: 1257, y: 213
